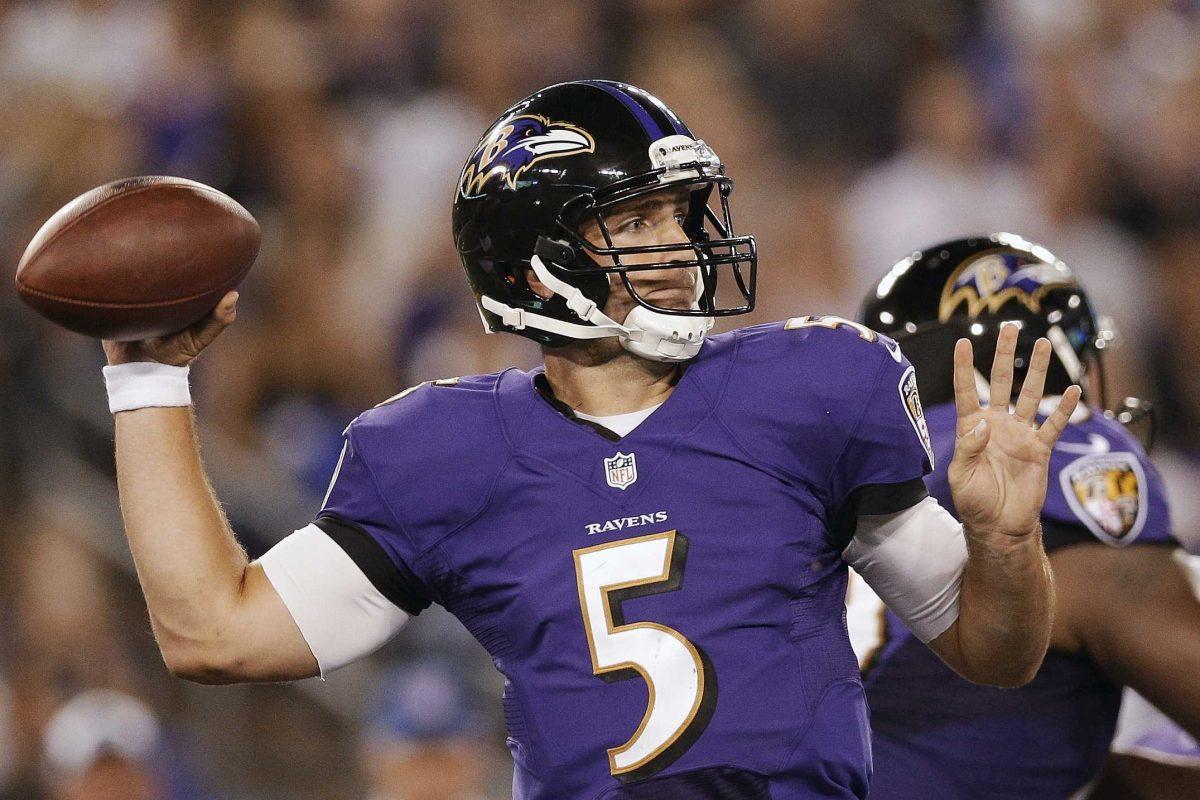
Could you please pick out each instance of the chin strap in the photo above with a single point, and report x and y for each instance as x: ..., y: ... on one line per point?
x: 646, y: 333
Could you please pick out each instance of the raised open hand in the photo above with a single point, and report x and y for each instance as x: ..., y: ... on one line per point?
x: 999, y: 471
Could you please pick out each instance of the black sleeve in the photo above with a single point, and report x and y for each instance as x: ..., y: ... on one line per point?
x: 872, y: 499
x: 394, y: 581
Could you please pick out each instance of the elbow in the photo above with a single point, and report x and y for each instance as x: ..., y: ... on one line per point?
x: 1004, y: 664
x: 208, y: 657
x: 201, y: 666
x: 1006, y: 676
x: 203, y: 672
x: 1008, y: 671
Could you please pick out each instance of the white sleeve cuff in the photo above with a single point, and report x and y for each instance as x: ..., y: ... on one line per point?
x: 340, y: 613
x: 914, y: 560
x: 146, y: 384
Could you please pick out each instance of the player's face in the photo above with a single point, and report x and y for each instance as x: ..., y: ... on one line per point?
x: 652, y: 219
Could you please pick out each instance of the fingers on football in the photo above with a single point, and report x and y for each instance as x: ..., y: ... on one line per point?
x: 1034, y: 384
x: 1002, y: 367
x: 1054, y: 424
x: 220, y: 318
x: 966, y: 395
x: 226, y: 310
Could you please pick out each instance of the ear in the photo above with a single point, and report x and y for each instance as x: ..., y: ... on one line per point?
x: 540, y: 289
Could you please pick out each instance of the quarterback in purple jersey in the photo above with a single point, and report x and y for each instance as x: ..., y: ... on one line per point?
x: 650, y: 534
x: 1126, y: 613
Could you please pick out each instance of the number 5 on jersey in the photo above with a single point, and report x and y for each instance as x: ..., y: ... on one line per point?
x: 682, y: 685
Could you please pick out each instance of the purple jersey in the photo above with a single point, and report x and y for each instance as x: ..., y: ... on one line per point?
x: 935, y: 734
x: 667, y: 607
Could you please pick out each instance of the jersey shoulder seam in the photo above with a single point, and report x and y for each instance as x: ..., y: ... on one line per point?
x: 417, y: 550
x: 474, y: 515
x: 853, y: 431
x: 375, y: 485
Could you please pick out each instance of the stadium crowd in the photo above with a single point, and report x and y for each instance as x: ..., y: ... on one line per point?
x: 856, y: 132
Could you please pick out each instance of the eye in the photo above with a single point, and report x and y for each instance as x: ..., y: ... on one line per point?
x: 680, y: 218
x: 632, y: 224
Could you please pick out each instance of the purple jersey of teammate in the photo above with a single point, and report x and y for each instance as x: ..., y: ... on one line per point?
x: 712, y: 533
x: 935, y: 734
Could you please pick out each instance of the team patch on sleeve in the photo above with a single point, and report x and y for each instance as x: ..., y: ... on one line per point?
x: 1107, y: 491
x: 912, y: 407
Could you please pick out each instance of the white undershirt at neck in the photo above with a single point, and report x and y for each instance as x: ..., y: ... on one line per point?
x: 620, y: 424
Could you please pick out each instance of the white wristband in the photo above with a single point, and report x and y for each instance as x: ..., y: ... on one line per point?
x: 146, y: 384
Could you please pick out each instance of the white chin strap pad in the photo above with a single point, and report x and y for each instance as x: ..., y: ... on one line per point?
x: 665, y: 337
x: 646, y: 333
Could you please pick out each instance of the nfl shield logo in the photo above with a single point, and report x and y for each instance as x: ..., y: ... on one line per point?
x: 620, y: 471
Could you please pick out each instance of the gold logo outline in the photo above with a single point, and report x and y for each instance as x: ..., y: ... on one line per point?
x: 952, y: 299
x: 476, y: 178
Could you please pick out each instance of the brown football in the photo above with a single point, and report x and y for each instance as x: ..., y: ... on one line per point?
x: 138, y: 258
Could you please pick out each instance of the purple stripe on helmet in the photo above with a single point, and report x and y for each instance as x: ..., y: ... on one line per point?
x: 652, y: 128
x: 670, y: 117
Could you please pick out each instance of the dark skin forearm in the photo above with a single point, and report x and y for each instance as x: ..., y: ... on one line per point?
x: 1133, y: 613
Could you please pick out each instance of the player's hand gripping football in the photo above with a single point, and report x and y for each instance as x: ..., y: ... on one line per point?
x: 999, y: 471
x: 178, y: 348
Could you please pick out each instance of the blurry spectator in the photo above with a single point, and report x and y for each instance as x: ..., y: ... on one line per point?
x: 102, y: 745
x: 1176, y: 353
x: 183, y: 108
x: 427, y: 739
x: 944, y: 183
x: 1071, y: 182
x: 98, y: 52
x: 381, y: 49
x: 8, y: 743
x: 831, y: 68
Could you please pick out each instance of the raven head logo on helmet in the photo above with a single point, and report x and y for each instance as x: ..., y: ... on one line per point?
x: 563, y: 158
x: 969, y: 288
x: 511, y: 149
x: 993, y: 278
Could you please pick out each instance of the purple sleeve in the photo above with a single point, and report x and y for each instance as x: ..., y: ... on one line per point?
x: 888, y: 442
x: 888, y: 450
x: 1103, y: 487
x: 356, y: 516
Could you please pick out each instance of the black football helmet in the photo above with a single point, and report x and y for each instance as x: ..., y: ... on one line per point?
x: 968, y: 288
x: 565, y: 155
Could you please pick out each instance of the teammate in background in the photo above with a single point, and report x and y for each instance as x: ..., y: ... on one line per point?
x: 650, y: 534
x: 1152, y: 758
x: 1125, y: 613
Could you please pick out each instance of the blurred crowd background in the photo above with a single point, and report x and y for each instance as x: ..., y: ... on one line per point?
x: 856, y: 130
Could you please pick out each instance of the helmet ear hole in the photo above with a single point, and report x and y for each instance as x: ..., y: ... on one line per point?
x: 554, y: 252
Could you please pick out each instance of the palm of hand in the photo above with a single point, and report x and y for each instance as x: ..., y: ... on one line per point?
x: 1000, y: 466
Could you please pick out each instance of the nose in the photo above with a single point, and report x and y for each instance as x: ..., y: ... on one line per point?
x: 673, y: 233
x: 668, y: 286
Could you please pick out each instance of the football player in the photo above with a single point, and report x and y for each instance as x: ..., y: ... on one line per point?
x: 1152, y: 757
x: 1125, y: 613
x: 650, y: 533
